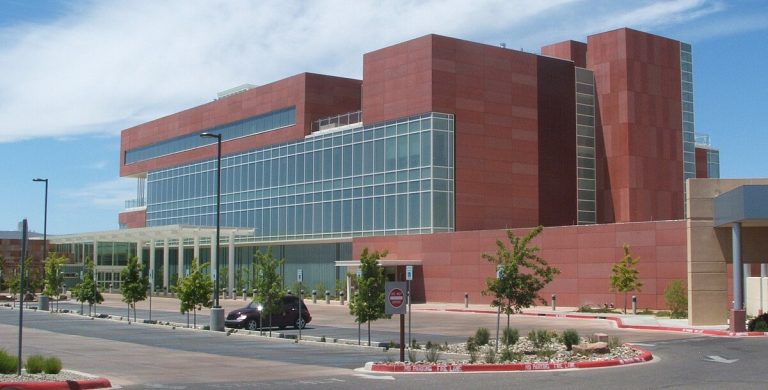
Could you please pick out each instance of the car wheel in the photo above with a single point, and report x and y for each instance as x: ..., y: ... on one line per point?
x: 252, y: 325
x: 300, y: 323
x: 281, y: 326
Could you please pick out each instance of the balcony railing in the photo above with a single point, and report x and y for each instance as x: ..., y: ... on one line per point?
x: 337, y: 121
x: 134, y: 203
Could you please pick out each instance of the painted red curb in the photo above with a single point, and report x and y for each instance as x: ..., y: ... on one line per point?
x: 484, y: 367
x: 622, y: 325
x: 98, y: 383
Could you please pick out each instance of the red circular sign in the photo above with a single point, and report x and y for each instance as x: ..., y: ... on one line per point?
x: 396, y: 297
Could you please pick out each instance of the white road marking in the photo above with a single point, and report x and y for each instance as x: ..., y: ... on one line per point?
x: 384, y: 377
x: 720, y: 359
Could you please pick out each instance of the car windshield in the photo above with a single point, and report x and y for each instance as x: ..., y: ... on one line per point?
x: 253, y: 305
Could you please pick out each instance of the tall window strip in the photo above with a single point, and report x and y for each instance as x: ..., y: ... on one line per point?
x: 585, y: 147
x: 686, y: 87
x: 713, y: 163
x: 258, y: 124
x: 390, y: 178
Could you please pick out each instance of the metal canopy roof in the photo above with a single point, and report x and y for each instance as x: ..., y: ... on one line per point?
x: 747, y: 204
x: 382, y: 262
x: 149, y: 233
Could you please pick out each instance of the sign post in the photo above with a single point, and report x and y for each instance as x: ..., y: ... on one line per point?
x: 151, y: 290
x: 408, y: 278
x: 300, y: 278
x: 394, y: 303
x: 499, y: 272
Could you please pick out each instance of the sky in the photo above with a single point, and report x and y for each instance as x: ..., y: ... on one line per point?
x: 73, y: 74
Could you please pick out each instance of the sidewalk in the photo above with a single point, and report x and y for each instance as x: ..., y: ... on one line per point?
x: 623, y: 321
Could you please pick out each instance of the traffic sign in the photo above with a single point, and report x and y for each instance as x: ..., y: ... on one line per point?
x: 359, y: 272
x: 499, y: 270
x: 299, y: 275
x: 394, y: 293
x: 409, y: 272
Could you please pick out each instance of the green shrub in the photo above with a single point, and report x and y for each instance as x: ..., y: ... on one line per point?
x: 9, y: 364
x: 570, y: 337
x: 507, y: 355
x: 432, y: 355
x: 35, y: 364
x: 677, y: 299
x: 663, y: 313
x: 482, y: 336
x: 510, y: 336
x: 539, y: 338
x: 490, y: 356
x: 472, y: 348
x: 758, y: 324
x: 415, y: 344
x: 428, y: 345
x: 412, y: 357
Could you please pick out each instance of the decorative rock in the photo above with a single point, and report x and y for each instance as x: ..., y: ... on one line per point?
x: 590, y: 348
x: 601, y: 337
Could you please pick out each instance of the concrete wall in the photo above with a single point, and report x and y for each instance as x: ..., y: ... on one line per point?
x: 757, y: 301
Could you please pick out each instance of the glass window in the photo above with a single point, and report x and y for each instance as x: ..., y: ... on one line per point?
x: 402, y: 152
x: 367, y: 157
x: 378, y: 213
x: 378, y: 155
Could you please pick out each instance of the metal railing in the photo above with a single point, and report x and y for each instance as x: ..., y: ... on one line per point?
x: 133, y: 203
x: 338, y: 120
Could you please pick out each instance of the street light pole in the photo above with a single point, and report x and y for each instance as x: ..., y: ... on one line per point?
x: 45, y: 219
x: 217, y: 312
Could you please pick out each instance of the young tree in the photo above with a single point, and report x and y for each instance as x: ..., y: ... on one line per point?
x: 368, y: 304
x: 3, y: 282
x: 134, y: 284
x: 677, y: 299
x: 625, y: 277
x: 86, y: 290
x: 268, y: 283
x: 522, y: 274
x: 195, y: 290
x: 53, y: 278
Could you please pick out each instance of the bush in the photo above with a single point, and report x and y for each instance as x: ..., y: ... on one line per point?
x: 507, y: 355
x: 539, y: 338
x: 35, y: 364
x: 677, y: 299
x: 570, y: 337
x: 490, y: 356
x: 9, y: 364
x: 432, y: 355
x: 472, y: 349
x: 510, y: 336
x: 482, y: 336
x: 758, y: 324
x: 412, y: 357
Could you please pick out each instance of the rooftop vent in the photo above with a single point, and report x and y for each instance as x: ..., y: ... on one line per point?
x: 234, y: 91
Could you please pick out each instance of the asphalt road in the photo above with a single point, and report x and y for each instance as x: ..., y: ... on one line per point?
x: 144, y: 356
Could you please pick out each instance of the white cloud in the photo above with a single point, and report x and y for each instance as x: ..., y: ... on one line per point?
x: 105, y: 66
x: 110, y: 195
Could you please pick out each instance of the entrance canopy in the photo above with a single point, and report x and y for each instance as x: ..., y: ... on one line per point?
x: 382, y: 262
x: 150, y: 233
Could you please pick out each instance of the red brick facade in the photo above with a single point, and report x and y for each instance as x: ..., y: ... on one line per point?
x: 133, y: 219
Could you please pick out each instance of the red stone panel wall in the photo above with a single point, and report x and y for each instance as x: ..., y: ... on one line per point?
x: 637, y: 77
x: 452, y: 262
x: 568, y: 50
x: 314, y: 96
x: 493, y: 94
x: 702, y: 168
x: 133, y: 219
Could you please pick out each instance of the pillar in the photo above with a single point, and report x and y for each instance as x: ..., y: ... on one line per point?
x: 196, y: 250
x: 152, y: 265
x: 738, y: 314
x: 231, y: 265
x: 166, y: 273
x: 180, y: 259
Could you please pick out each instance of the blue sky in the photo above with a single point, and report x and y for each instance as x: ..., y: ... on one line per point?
x: 75, y: 73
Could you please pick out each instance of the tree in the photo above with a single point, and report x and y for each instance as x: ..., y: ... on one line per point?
x: 53, y: 278
x: 195, y: 290
x: 625, y: 277
x: 677, y: 299
x: 134, y: 284
x: 86, y: 290
x: 368, y: 304
x: 521, y: 274
x: 3, y: 282
x: 268, y: 283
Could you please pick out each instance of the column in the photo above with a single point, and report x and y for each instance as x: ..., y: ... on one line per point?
x: 180, y: 259
x: 152, y: 265
x: 738, y: 269
x: 196, y: 250
x: 231, y: 265
x: 166, y: 273
x: 95, y: 260
x: 140, y: 251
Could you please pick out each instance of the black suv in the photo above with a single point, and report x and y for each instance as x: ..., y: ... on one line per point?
x: 248, y: 317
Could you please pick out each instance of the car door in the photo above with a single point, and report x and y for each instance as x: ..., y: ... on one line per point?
x: 290, y: 310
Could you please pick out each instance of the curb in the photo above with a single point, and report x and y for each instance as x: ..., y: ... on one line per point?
x: 484, y: 367
x: 98, y: 383
x: 621, y: 325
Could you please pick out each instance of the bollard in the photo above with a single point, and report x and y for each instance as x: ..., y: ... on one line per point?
x: 466, y: 300
x: 327, y: 297
x: 243, y: 294
x: 341, y: 297
x: 110, y: 288
x: 314, y: 296
x: 290, y: 292
x: 634, y: 304
x: 554, y: 302
x: 254, y: 293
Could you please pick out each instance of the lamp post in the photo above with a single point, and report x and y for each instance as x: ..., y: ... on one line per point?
x: 45, y: 219
x: 44, y: 301
x: 217, y: 312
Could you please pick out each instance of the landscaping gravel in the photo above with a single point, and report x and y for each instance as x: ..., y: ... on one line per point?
x: 64, y: 375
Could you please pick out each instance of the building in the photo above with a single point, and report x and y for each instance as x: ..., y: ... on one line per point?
x: 442, y: 145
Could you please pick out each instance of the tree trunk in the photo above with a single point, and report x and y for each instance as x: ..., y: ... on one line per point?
x: 129, y: 313
x: 625, y: 301
x: 90, y: 309
x: 369, y: 333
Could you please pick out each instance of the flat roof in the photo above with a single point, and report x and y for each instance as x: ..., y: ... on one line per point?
x: 149, y: 233
x: 382, y: 262
x: 747, y: 204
